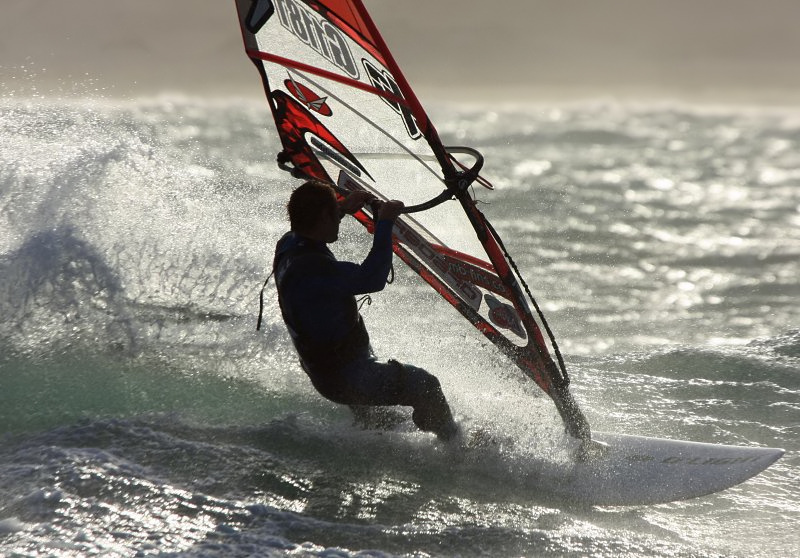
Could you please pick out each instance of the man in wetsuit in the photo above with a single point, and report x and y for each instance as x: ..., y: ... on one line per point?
x: 317, y: 296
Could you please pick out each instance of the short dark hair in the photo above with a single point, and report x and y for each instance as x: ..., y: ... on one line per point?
x: 310, y: 201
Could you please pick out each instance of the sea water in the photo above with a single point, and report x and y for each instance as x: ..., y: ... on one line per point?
x: 141, y: 414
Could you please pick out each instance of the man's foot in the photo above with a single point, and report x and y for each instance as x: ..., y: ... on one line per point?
x: 378, y: 418
x: 449, y: 431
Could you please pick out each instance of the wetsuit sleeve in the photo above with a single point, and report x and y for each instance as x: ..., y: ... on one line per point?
x: 370, y: 275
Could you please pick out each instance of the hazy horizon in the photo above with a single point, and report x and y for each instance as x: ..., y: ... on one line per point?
x: 509, y: 50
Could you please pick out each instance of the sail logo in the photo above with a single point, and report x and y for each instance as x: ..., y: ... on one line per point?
x: 318, y: 33
x: 474, y: 274
x: 436, y: 262
x: 504, y: 316
x: 384, y: 81
x: 311, y: 100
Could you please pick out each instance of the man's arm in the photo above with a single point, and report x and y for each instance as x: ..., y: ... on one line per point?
x: 370, y: 276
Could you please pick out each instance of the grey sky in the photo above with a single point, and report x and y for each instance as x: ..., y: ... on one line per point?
x: 711, y: 50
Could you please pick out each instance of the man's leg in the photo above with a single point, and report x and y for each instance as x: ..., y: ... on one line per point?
x: 423, y: 392
x: 371, y: 382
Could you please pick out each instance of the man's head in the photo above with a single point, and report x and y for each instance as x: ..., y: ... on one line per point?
x: 314, y: 211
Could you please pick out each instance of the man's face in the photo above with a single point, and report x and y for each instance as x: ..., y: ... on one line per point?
x: 329, y: 225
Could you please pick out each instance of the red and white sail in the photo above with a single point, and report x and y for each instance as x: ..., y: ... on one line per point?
x: 346, y: 114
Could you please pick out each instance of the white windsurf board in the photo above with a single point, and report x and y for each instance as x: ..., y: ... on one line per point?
x: 638, y: 470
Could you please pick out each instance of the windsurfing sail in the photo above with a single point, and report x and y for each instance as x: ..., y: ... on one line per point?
x: 346, y: 115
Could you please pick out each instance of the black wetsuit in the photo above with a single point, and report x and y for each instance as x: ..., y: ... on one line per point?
x: 317, y: 295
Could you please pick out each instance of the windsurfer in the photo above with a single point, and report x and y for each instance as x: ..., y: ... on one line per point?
x: 317, y: 296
